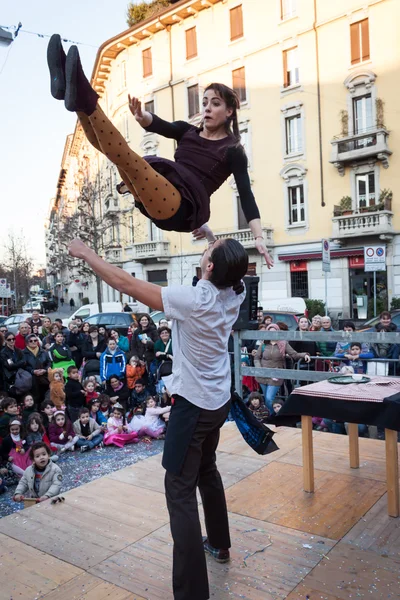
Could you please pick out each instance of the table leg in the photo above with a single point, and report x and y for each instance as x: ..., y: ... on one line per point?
x: 353, y: 445
x: 392, y: 472
x: 308, y: 455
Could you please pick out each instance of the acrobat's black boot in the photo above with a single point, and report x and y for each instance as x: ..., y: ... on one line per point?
x: 79, y: 94
x: 56, y: 61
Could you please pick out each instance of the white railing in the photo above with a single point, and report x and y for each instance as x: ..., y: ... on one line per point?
x: 157, y: 249
x: 246, y: 237
x: 362, y: 224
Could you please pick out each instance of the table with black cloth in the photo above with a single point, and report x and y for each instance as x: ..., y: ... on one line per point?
x: 374, y: 403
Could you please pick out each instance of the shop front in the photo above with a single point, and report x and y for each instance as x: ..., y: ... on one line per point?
x: 362, y: 290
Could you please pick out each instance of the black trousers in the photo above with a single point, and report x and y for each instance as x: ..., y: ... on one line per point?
x: 190, y: 461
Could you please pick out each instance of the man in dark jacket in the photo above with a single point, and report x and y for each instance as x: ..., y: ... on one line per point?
x: 11, y: 359
x: 37, y: 363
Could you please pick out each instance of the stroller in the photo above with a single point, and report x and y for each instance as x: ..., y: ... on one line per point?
x: 90, y: 367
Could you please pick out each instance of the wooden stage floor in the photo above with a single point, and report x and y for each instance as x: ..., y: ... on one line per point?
x: 111, y: 539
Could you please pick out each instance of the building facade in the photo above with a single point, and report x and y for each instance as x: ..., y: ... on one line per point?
x: 318, y: 89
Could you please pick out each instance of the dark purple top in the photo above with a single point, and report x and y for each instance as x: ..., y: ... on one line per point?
x: 210, y: 161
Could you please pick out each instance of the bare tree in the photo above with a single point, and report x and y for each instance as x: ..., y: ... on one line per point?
x: 18, y: 265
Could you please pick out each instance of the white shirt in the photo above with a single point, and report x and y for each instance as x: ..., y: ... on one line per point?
x: 202, y: 320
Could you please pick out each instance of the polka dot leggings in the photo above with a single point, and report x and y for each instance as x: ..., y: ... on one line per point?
x: 159, y: 197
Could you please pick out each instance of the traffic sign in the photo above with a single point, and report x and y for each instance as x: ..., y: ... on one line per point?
x: 326, y: 256
x: 375, y: 258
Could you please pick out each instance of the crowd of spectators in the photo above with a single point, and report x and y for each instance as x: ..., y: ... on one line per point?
x: 77, y: 388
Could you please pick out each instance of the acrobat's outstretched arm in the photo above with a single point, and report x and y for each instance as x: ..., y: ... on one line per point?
x: 148, y: 293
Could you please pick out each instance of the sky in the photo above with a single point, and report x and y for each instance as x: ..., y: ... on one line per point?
x: 33, y: 126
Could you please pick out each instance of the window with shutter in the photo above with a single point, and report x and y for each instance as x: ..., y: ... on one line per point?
x: 149, y: 106
x: 359, y: 40
x: 191, y: 43
x: 236, y: 16
x: 193, y: 101
x: 147, y: 62
x: 290, y: 67
x: 239, y: 83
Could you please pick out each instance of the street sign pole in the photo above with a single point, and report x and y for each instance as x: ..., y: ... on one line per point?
x: 326, y: 267
x: 375, y: 260
x: 374, y: 293
x: 326, y: 293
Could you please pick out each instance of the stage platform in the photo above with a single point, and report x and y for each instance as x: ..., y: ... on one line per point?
x: 111, y: 539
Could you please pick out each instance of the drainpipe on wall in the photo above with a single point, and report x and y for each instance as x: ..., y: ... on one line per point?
x: 171, y: 73
x: 321, y: 164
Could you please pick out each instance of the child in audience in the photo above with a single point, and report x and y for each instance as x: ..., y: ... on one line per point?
x: 47, y: 409
x: 90, y: 390
x: 150, y: 424
x: 134, y: 371
x: 139, y: 395
x: 88, y: 431
x: 75, y: 394
x: 14, y: 448
x: 276, y: 406
x: 10, y: 408
x: 95, y: 379
x: 57, y: 392
x: 96, y: 414
x: 36, y: 432
x: 354, y: 358
x: 42, y: 479
x: 61, y: 433
x: 104, y: 410
x: 28, y: 408
x: 257, y: 406
x: 117, y: 431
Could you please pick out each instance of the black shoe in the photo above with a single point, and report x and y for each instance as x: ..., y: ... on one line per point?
x: 56, y: 58
x: 79, y: 94
x: 219, y: 555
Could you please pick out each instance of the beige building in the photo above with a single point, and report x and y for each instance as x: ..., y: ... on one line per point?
x: 318, y: 86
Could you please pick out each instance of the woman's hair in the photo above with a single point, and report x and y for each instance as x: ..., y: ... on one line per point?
x: 164, y: 328
x: 37, y: 446
x: 93, y: 328
x: 83, y: 326
x: 282, y: 326
x: 106, y: 332
x: 232, y: 101
x: 385, y: 315
x: 54, y: 326
x: 112, y: 377
x: 230, y: 262
x: 38, y: 419
x: 349, y: 324
x: 256, y: 395
x: 150, y: 398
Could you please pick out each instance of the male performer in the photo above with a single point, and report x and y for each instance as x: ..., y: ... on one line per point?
x: 202, y: 318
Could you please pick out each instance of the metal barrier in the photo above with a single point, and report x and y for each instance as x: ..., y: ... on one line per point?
x: 308, y: 336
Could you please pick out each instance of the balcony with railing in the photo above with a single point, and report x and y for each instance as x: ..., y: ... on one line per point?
x: 246, y: 237
x: 368, y: 143
x: 114, y: 255
x: 111, y: 205
x: 142, y: 252
x: 363, y: 222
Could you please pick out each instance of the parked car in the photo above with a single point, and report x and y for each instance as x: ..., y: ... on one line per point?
x: 12, y: 323
x: 291, y: 319
x: 32, y: 305
x: 368, y: 325
x: 113, y: 320
x: 157, y: 315
x: 2, y: 319
x: 49, y: 305
x: 87, y: 310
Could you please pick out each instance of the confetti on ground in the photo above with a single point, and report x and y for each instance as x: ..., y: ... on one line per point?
x: 79, y: 468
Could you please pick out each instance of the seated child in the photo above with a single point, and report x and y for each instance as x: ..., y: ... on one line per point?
x: 150, y: 423
x: 257, y: 406
x: 104, y: 409
x: 14, y: 448
x: 95, y: 379
x: 57, y: 393
x: 276, y: 406
x: 354, y: 358
x: 134, y: 371
x: 47, y: 409
x: 28, y: 408
x: 89, y: 433
x: 43, y: 479
x: 61, y: 433
x: 35, y: 432
x: 139, y: 395
x: 9, y: 407
x: 117, y: 432
x: 90, y: 390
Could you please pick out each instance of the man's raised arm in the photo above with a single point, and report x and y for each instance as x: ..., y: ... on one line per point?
x: 145, y: 292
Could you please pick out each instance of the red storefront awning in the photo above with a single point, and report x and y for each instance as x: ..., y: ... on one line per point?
x: 318, y: 255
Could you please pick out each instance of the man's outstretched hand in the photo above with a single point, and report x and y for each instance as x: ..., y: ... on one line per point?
x: 78, y: 249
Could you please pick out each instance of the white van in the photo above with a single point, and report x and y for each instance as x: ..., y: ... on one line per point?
x: 294, y: 305
x: 93, y: 309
